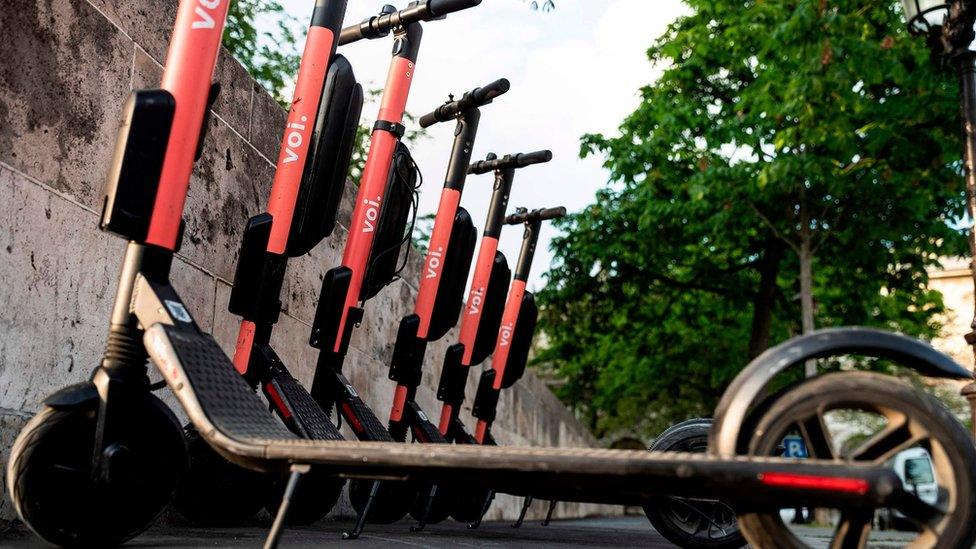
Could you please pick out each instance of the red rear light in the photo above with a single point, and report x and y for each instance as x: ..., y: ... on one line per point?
x: 812, y: 482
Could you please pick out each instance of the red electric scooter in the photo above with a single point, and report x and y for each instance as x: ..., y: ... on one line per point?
x: 439, y: 299
x: 112, y: 444
x: 481, y: 318
x: 302, y: 209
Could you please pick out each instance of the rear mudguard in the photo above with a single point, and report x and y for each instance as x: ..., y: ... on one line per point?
x: 747, y: 388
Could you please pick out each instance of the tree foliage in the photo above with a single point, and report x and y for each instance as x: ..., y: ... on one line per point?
x: 271, y: 57
x: 781, y: 131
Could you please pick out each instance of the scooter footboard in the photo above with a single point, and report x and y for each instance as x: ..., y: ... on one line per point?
x: 232, y: 419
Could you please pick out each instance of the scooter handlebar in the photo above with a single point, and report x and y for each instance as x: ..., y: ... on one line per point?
x: 477, y: 97
x: 520, y: 160
x: 389, y: 18
x: 535, y: 215
x: 440, y: 8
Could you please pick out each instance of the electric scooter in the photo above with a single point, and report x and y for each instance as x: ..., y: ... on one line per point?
x: 511, y: 352
x: 439, y: 299
x: 302, y: 210
x: 111, y: 443
x: 482, y: 316
x: 370, y: 258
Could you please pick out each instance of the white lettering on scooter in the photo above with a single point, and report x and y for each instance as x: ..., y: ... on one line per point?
x: 206, y: 20
x: 505, y: 337
x: 294, y: 140
x: 372, y: 213
x: 434, y: 263
x: 477, y: 296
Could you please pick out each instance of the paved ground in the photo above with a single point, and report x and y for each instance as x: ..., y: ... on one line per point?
x: 608, y: 532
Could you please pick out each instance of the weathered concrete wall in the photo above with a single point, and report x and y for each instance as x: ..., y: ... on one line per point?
x: 66, y: 66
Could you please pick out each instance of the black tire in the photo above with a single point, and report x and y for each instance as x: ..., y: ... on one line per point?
x: 440, y: 508
x: 685, y: 523
x: 57, y: 496
x: 469, y: 504
x: 215, y: 492
x: 315, y: 495
x: 392, y: 503
x: 912, y: 411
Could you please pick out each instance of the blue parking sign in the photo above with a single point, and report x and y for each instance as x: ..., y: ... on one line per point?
x: 795, y: 448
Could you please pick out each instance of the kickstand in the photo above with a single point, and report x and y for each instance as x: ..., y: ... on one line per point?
x: 552, y: 507
x: 484, y: 511
x: 525, y: 509
x: 422, y: 523
x: 278, y: 526
x: 361, y: 520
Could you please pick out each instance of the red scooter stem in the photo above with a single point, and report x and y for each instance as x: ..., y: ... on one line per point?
x: 372, y: 187
x: 513, y: 305
x: 192, y: 54
x: 320, y: 48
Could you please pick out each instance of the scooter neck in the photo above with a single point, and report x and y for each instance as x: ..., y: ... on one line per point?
x: 530, y: 238
x: 499, y: 202
x: 190, y: 63
x: 372, y: 188
x: 320, y: 48
x: 465, y: 132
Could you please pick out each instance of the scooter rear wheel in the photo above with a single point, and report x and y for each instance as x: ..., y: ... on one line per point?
x: 392, y: 503
x: 315, y: 495
x: 56, y: 492
x: 215, y: 492
x: 692, y: 523
x: 908, y: 418
x: 469, y: 504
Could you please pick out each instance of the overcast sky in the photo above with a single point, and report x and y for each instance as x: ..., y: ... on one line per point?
x: 573, y: 71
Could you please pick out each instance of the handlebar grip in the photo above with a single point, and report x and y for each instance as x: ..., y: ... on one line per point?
x: 485, y: 94
x: 535, y: 215
x: 430, y: 118
x: 439, y: 8
x: 537, y: 157
x: 551, y: 213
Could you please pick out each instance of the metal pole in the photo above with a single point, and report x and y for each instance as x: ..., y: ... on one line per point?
x: 957, y: 35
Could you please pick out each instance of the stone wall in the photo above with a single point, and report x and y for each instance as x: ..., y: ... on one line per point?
x: 66, y: 67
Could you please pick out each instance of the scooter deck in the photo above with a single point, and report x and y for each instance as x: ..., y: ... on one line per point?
x: 234, y: 420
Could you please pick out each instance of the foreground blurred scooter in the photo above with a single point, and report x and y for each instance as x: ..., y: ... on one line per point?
x: 112, y: 444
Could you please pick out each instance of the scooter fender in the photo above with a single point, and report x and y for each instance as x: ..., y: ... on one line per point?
x: 749, y: 386
x: 73, y: 396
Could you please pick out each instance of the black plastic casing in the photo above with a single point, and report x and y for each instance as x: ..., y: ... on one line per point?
x: 518, y: 353
x: 324, y: 176
x: 129, y: 194
x: 493, y: 309
x: 457, y: 262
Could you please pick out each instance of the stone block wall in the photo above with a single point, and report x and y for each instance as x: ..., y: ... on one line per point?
x: 66, y: 67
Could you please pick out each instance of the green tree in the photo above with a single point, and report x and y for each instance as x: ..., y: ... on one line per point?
x: 794, y: 166
x: 271, y: 57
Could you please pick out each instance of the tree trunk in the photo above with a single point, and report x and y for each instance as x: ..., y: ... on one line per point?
x: 762, y: 304
x: 806, y: 281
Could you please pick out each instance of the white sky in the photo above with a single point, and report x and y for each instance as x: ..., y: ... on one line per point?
x: 573, y: 71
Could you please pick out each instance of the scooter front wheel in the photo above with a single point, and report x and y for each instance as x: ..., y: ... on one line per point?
x: 894, y: 417
x: 59, y: 496
x: 215, y: 492
x: 702, y: 524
